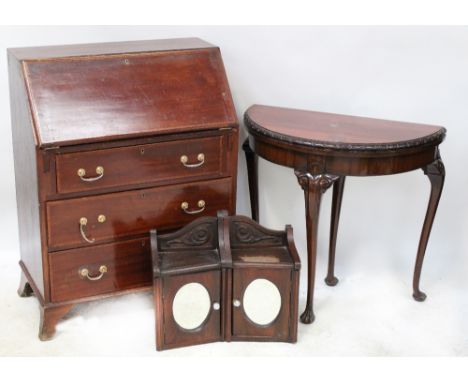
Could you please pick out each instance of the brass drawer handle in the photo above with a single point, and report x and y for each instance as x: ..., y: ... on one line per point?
x: 200, y: 158
x: 99, y: 171
x: 83, y: 222
x: 84, y: 273
x: 200, y: 204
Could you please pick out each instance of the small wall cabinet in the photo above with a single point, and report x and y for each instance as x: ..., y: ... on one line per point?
x: 225, y: 278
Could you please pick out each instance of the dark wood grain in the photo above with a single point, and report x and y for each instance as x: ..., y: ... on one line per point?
x: 314, y: 186
x: 107, y: 48
x: 251, y: 160
x: 158, y: 305
x: 246, y: 233
x: 190, y: 254
x: 324, y: 148
x: 337, y: 131
x: 201, y: 234
x: 436, y: 174
x: 27, y: 189
x: 352, y: 163
x: 50, y: 316
x: 133, y: 212
x: 139, y: 164
x: 224, y: 254
x: 24, y: 289
x: 242, y: 327
x: 258, y: 252
x: 133, y: 108
x: 175, y: 336
x: 128, y: 266
x: 338, y: 187
x: 174, y: 91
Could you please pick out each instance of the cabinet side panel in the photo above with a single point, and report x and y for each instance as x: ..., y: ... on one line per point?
x: 24, y: 149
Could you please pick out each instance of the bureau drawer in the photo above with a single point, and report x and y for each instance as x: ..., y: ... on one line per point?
x: 101, y: 269
x: 140, y: 164
x: 94, y: 219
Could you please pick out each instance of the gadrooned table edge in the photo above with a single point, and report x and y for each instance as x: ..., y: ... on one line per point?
x: 428, y: 140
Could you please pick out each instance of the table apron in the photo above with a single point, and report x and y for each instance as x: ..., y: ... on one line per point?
x: 345, y: 163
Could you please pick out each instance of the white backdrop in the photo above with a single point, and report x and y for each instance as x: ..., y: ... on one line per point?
x: 416, y: 74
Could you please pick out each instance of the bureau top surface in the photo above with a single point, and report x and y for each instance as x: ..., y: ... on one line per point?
x: 337, y: 131
x: 107, y: 48
x: 98, y: 92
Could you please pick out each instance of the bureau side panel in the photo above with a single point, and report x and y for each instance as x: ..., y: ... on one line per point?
x: 233, y: 148
x: 233, y: 139
x: 27, y: 196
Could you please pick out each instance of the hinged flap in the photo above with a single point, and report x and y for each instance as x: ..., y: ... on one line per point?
x: 96, y: 98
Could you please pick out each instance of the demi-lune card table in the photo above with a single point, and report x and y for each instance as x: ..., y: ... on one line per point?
x: 323, y: 149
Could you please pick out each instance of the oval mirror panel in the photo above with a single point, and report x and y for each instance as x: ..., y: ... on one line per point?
x: 191, y: 306
x: 262, y: 301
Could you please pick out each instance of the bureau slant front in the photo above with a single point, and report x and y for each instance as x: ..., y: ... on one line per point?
x: 111, y: 140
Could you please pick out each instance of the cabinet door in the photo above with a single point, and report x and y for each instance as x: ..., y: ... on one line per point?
x: 191, y: 309
x: 261, y: 304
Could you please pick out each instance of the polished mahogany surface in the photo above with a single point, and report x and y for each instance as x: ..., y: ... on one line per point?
x: 171, y: 92
x: 210, y: 330
x: 111, y: 140
x: 225, y: 255
x: 323, y: 149
x: 107, y: 48
x: 273, y: 257
x: 338, y: 131
x: 133, y: 212
x: 242, y: 327
x: 140, y: 164
x: 128, y: 266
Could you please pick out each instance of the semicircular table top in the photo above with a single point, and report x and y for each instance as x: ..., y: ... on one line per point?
x: 338, y: 131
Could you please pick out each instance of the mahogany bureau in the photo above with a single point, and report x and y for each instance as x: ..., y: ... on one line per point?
x: 112, y: 140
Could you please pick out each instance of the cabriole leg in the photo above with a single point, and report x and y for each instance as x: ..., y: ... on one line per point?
x: 338, y: 188
x: 436, y: 174
x: 252, y: 171
x: 314, y: 186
